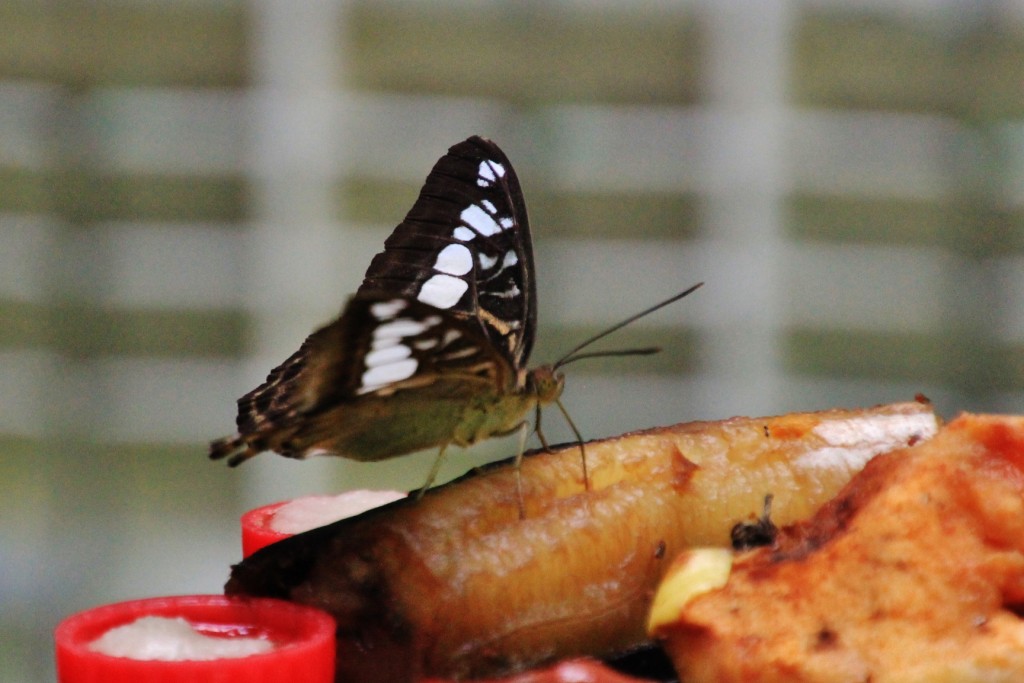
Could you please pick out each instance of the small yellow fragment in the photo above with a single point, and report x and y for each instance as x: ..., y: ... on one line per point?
x: 694, y: 573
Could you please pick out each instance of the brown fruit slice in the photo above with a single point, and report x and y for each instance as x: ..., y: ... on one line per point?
x: 456, y: 585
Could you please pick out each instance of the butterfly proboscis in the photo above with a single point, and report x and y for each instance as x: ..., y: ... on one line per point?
x: 574, y: 355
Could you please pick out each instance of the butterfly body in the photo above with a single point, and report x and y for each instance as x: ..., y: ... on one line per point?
x: 431, y: 350
x: 379, y: 428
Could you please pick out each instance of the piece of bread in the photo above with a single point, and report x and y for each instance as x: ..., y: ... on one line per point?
x: 457, y: 585
x: 914, y: 572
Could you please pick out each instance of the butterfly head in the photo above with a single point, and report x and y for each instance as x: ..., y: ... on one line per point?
x: 546, y: 383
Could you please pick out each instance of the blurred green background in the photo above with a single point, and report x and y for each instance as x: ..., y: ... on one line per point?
x: 188, y: 188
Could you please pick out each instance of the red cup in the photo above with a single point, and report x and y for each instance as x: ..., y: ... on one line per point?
x: 258, y: 524
x: 256, y: 530
x: 303, y: 639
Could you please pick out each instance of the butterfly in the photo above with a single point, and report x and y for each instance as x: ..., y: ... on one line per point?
x: 432, y: 348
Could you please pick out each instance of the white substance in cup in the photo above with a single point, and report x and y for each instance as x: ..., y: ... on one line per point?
x: 168, y: 639
x: 310, y: 512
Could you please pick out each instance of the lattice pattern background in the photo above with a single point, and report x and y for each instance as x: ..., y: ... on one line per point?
x: 188, y: 188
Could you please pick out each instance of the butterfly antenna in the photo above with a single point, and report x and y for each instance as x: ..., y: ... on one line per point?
x: 574, y: 355
x: 645, y: 351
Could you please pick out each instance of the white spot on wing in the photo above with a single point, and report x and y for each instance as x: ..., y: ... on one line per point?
x: 454, y: 259
x: 484, y: 175
x: 488, y: 172
x: 463, y: 234
x: 506, y: 222
x: 402, y: 327
x: 382, y: 375
x: 389, y: 360
x: 386, y: 355
x: 486, y: 262
x: 479, y: 220
x: 442, y: 291
x: 385, y: 310
x: 425, y: 344
x: 487, y: 204
x: 509, y: 293
x: 509, y: 259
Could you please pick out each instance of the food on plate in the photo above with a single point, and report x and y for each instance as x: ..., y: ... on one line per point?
x: 272, y: 523
x: 173, y: 639
x: 310, y: 512
x: 914, y: 572
x: 457, y: 585
x: 195, y: 638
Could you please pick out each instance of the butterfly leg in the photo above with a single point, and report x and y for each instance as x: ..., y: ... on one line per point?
x: 433, y: 472
x: 537, y: 429
x: 523, y: 433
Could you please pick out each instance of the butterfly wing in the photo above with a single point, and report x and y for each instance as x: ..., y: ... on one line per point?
x: 465, y: 248
x: 417, y: 371
x: 400, y: 345
x: 445, y: 317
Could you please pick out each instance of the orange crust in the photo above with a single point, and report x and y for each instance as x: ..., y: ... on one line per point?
x: 915, y: 571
